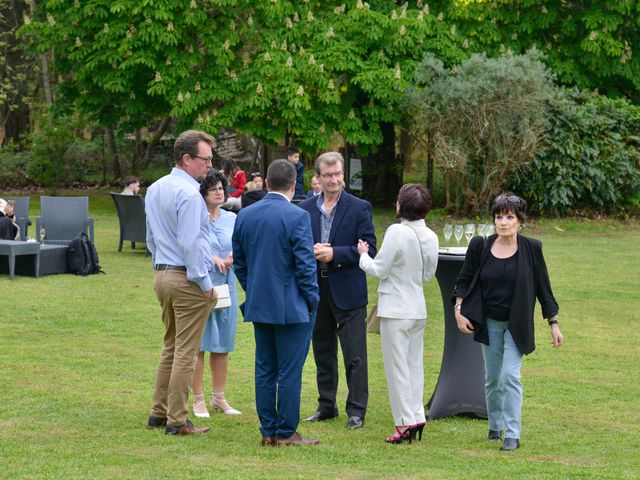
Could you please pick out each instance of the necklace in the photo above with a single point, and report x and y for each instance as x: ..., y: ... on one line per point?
x: 213, y: 216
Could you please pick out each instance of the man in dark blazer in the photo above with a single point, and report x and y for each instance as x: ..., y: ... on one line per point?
x: 274, y: 262
x: 338, y: 221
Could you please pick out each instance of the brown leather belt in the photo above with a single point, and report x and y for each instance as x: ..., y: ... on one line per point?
x: 162, y: 266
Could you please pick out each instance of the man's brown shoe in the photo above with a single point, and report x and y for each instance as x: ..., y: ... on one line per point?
x: 156, y: 422
x: 187, y: 428
x: 268, y: 441
x: 296, y: 439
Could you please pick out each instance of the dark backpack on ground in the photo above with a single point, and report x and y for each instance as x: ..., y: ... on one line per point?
x: 82, y: 257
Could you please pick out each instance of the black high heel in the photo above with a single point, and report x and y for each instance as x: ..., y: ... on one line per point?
x: 417, y: 429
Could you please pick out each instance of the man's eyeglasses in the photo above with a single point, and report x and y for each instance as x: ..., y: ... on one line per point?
x: 206, y: 159
x: 331, y: 175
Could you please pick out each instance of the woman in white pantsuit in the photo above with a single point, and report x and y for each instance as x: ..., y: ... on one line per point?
x: 409, y: 255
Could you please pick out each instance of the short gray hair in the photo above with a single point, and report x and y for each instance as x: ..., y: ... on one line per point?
x: 329, y: 158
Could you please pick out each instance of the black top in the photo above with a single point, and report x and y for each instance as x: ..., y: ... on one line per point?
x: 532, y: 281
x: 8, y: 229
x: 497, y: 279
x: 249, y: 198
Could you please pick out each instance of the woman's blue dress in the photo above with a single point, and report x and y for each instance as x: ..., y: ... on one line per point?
x: 220, y: 331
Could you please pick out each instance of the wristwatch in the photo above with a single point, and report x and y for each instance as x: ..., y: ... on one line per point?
x: 457, y: 307
x: 552, y: 320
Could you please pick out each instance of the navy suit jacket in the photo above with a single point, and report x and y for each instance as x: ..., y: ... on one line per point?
x: 353, y: 220
x: 274, y: 262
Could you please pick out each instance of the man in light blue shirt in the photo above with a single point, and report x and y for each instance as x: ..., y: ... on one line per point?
x: 178, y: 239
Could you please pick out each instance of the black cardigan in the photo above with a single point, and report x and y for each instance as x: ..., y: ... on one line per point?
x: 532, y: 280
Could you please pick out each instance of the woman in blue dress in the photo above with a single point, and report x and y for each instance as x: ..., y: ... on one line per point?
x: 220, y: 331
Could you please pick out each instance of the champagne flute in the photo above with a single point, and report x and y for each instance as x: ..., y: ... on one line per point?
x: 43, y: 233
x: 490, y: 230
x: 458, y: 231
x: 481, y: 230
x: 448, y: 231
x: 469, y: 231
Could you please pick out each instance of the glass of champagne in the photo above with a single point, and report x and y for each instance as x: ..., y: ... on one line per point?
x: 490, y: 230
x: 43, y: 233
x: 469, y: 231
x: 448, y: 231
x: 458, y: 231
x: 481, y: 229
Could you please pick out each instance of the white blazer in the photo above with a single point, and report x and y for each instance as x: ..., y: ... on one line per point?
x: 400, y: 269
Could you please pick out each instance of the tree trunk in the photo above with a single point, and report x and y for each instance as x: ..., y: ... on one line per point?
x: 46, y: 79
x: 113, y: 148
x: 162, y: 128
x: 430, y: 166
x: 382, y: 171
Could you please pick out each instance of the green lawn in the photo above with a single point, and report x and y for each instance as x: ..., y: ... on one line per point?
x: 78, y: 358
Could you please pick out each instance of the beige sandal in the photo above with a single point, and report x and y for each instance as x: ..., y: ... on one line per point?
x: 200, y: 406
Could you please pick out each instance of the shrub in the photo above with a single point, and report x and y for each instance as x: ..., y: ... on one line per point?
x: 591, y: 160
x: 485, y: 118
x: 13, y: 168
x: 59, y: 155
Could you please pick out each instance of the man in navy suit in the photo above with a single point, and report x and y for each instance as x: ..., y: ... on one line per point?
x: 274, y: 262
x: 338, y: 221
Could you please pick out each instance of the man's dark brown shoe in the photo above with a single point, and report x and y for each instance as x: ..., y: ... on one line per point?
x: 187, y: 428
x: 268, y: 441
x: 156, y: 422
x: 296, y: 439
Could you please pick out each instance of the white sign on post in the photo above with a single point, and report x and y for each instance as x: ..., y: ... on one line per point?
x: 355, y: 174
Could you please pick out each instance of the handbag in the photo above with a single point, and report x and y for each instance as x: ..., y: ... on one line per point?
x: 224, y: 296
x: 373, y: 320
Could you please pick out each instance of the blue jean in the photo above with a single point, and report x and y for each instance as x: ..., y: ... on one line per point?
x: 503, y: 390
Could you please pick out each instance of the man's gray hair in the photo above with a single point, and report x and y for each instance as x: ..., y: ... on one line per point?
x: 281, y: 175
x: 330, y: 159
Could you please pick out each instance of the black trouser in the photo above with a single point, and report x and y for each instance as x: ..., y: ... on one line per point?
x: 349, y: 326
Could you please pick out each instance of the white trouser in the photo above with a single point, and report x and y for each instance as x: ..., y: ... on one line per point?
x: 402, y: 353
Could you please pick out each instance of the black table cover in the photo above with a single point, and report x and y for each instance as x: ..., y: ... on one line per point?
x: 460, y: 387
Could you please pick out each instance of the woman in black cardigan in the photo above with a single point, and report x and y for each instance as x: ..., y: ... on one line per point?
x: 495, y: 296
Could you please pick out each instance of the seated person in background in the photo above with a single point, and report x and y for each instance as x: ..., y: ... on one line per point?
x: 293, y: 155
x: 316, y: 188
x: 256, y: 177
x: 9, y: 230
x: 253, y: 193
x: 236, y: 178
x: 131, y: 186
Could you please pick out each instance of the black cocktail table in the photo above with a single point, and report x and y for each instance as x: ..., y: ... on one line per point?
x: 460, y: 387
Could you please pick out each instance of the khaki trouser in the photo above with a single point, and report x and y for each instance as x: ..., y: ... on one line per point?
x: 185, y: 309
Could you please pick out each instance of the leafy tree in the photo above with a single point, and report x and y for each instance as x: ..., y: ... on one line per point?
x: 588, y: 43
x: 486, y: 119
x: 279, y: 70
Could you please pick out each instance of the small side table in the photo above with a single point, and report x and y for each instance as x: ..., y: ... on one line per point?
x: 13, y: 248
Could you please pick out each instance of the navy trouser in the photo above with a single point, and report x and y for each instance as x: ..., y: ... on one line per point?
x: 281, y: 351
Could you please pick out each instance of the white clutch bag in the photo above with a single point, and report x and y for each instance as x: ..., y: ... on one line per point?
x: 224, y: 296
